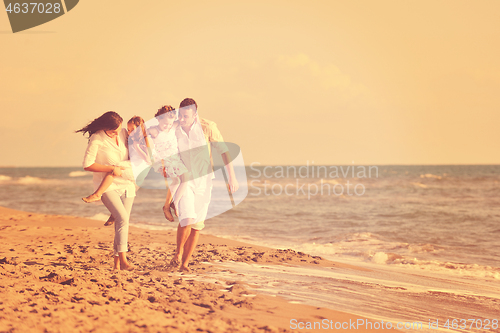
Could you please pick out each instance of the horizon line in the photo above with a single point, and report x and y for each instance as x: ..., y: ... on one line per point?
x: 274, y: 165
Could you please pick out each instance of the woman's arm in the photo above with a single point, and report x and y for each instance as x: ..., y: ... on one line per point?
x: 89, y: 161
x: 96, y: 167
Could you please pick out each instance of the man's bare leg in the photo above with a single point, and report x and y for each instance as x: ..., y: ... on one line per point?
x: 182, y: 237
x: 189, y: 249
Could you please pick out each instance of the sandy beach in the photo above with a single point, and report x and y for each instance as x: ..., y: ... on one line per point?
x: 56, y: 276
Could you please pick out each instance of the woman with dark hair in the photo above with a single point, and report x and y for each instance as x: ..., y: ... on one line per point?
x: 106, y: 149
x: 137, y: 141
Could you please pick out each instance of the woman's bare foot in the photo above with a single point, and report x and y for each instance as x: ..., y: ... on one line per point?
x: 127, y: 267
x: 167, y: 213
x: 110, y: 221
x: 116, y: 266
x: 92, y: 198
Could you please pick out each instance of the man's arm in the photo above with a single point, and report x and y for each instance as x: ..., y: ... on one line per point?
x: 215, y: 137
x: 233, y: 182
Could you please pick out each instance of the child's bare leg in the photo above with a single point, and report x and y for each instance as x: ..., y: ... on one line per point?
x: 168, y: 200
x: 175, y: 184
x: 180, y: 188
x: 173, y: 194
x: 110, y: 221
x: 166, y: 207
x: 96, y: 196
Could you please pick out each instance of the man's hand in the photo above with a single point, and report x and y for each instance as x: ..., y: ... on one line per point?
x: 153, y: 131
x: 233, y: 185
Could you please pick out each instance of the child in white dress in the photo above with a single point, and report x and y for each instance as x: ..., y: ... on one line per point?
x: 166, y: 159
x: 126, y: 166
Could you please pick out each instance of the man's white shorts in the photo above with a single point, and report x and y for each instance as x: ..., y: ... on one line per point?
x: 195, y: 201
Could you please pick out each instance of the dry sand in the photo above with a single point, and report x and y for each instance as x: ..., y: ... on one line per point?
x: 56, y: 276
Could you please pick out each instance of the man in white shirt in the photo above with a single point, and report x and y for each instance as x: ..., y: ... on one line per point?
x: 195, y: 136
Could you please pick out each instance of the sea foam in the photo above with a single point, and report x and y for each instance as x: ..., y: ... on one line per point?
x: 4, y: 178
x: 79, y: 173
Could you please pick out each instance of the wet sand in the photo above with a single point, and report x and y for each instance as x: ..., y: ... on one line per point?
x: 56, y: 276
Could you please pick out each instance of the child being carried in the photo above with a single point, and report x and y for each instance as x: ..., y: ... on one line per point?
x: 124, y: 166
x: 166, y: 157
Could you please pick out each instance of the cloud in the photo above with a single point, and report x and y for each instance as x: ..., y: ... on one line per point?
x: 283, y: 84
x: 327, y: 76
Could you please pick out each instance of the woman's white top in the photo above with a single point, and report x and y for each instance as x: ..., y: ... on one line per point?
x: 103, y: 150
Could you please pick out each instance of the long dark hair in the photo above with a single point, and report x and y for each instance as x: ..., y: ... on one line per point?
x: 107, y: 122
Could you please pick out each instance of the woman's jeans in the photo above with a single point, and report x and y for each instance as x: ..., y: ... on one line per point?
x: 120, y: 208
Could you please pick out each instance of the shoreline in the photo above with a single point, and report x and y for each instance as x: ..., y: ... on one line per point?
x: 57, y: 275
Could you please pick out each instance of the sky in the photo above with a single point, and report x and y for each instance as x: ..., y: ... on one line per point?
x: 291, y: 82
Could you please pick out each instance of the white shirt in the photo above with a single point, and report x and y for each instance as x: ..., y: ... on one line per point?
x: 103, y: 150
x: 194, y: 151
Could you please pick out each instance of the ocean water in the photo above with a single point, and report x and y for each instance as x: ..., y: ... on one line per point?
x: 436, y: 228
